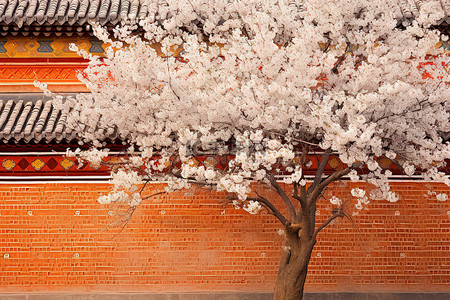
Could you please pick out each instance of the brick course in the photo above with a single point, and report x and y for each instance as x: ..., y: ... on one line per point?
x: 55, y: 237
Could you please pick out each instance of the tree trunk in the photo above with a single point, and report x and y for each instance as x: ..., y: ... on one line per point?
x: 292, y: 272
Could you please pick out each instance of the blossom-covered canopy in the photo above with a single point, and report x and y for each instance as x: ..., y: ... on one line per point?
x: 274, y: 78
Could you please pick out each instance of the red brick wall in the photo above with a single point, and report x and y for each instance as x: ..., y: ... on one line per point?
x: 54, y: 237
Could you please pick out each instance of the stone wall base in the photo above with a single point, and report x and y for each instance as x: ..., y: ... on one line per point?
x: 227, y: 296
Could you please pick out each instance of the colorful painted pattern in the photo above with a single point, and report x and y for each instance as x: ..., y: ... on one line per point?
x: 59, y: 164
x: 26, y: 47
x: 43, y: 72
x: 36, y: 165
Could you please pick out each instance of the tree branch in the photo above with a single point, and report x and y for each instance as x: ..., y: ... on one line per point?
x: 301, y: 198
x: 333, y: 177
x: 319, y: 172
x: 340, y: 60
x: 303, y: 163
x: 338, y: 214
x: 153, y: 195
x: 303, y: 142
x: 272, y: 208
x: 143, y: 187
x: 284, y: 196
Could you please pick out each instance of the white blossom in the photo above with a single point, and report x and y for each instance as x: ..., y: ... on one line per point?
x: 358, y: 193
x: 372, y: 165
x: 442, y: 197
x: 335, y: 201
x: 113, y: 197
x: 409, y: 168
x: 392, y: 197
x: 353, y: 175
x: 254, y: 74
x: 252, y: 207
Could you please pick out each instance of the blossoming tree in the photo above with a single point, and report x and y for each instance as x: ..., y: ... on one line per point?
x: 270, y: 82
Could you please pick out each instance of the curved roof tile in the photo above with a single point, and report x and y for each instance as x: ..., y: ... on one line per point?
x: 27, y: 118
x: 32, y: 121
x: 49, y: 12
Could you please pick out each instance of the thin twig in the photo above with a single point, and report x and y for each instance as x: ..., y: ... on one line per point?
x: 339, y: 214
x: 340, y: 60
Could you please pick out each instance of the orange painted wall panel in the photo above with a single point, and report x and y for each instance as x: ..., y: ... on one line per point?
x: 55, y: 237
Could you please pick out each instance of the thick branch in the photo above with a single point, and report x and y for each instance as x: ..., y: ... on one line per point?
x: 333, y: 177
x: 284, y: 259
x: 284, y: 196
x: 272, y: 208
x: 302, y: 196
x: 319, y: 172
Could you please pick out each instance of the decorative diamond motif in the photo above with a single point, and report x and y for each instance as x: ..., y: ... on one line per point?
x: 192, y: 162
x: 95, y: 166
x: 2, y: 46
x: 114, y: 160
x: 37, y: 164
x: 66, y: 163
x: 44, y: 46
x: 21, y: 47
x: 334, y: 162
x: 23, y: 164
x: 96, y: 46
x: 8, y: 164
x: 52, y: 163
x: 384, y: 162
x: 210, y: 162
x: 223, y: 163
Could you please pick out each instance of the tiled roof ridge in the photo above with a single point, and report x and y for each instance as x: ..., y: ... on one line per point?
x: 69, y: 12
x: 30, y: 120
x: 79, y: 12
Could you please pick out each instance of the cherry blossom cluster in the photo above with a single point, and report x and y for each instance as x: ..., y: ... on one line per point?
x: 269, y: 78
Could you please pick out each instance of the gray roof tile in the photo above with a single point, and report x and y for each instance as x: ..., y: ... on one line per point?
x: 32, y: 121
x: 69, y: 12
x: 34, y: 118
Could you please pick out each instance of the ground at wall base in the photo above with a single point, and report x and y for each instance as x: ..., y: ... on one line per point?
x: 228, y: 296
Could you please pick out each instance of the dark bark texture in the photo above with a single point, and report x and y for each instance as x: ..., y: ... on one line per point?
x: 292, y: 273
x: 301, y: 232
x: 299, y: 224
